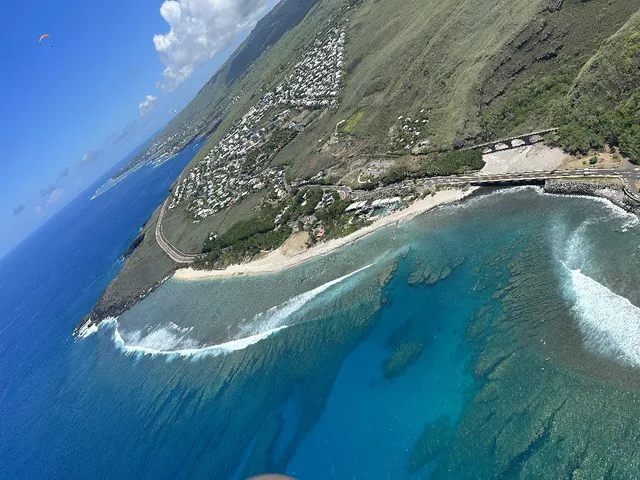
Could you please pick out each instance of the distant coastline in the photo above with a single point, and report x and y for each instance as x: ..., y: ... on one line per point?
x: 278, y: 261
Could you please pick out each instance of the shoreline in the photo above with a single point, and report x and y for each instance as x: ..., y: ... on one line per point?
x: 276, y: 261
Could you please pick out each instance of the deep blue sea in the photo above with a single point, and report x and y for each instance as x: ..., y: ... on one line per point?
x: 496, y: 338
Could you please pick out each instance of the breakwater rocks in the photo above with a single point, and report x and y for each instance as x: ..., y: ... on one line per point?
x: 614, y: 192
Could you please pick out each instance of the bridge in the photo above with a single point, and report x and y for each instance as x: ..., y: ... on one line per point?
x: 629, y: 177
x: 530, y: 178
x: 513, y: 142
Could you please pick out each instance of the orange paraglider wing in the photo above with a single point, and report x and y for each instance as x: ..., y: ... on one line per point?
x: 42, y: 37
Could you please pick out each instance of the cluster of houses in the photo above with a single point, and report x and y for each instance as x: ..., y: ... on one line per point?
x: 408, y: 131
x: 166, y: 146
x: 235, y: 167
x: 316, y: 79
x: 380, y: 206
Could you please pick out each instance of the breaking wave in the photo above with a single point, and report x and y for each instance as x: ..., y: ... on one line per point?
x: 609, y: 322
x: 631, y: 220
x: 174, y: 341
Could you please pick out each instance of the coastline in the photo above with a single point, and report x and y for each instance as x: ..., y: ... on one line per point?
x: 277, y: 261
x: 618, y: 195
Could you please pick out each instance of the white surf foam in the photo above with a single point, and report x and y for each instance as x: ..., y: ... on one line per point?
x: 89, y: 328
x: 619, y: 212
x: 616, y: 211
x: 166, y: 337
x: 278, y: 315
x: 212, y: 350
x: 173, y: 341
x: 609, y: 322
x: 577, y: 250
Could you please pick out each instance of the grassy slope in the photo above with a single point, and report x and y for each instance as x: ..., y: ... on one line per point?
x: 405, y: 56
x: 483, y: 68
x: 180, y: 230
x: 532, y: 75
x: 604, y: 103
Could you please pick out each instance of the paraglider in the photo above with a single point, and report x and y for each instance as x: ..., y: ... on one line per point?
x: 43, y: 37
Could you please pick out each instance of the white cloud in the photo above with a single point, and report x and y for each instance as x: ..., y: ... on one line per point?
x: 55, y: 195
x: 90, y: 157
x: 148, y: 104
x: 198, y: 31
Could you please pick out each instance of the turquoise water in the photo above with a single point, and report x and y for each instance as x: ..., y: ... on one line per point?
x: 472, y: 287
x: 495, y: 338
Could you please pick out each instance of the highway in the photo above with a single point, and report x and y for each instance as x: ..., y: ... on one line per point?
x: 628, y: 175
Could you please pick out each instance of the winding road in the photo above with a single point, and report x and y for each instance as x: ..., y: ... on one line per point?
x: 173, y: 253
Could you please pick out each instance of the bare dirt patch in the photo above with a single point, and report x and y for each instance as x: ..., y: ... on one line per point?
x: 295, y: 244
x: 532, y: 158
x: 608, y: 159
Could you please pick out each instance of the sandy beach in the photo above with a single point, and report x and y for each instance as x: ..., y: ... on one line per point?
x: 278, y: 261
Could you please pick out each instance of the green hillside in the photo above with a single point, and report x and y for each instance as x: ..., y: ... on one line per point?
x: 603, y: 105
x: 418, y: 76
x: 532, y: 75
x: 481, y: 70
x: 474, y: 70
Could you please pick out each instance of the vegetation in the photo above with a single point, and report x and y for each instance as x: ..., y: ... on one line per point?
x: 245, y: 238
x: 368, y: 186
x: 452, y: 163
x: 334, y: 220
x: 538, y: 98
x: 353, y: 122
x: 524, y: 84
x: 272, y: 226
x: 586, y: 128
x: 306, y: 200
x: 395, y: 174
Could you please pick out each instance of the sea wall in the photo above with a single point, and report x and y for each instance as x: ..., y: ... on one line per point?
x: 615, y: 193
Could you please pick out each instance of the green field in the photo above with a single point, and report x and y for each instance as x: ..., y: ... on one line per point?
x: 353, y: 122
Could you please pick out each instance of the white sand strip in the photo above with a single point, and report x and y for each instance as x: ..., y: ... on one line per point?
x: 277, y: 261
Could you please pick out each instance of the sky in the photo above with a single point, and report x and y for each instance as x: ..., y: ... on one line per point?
x: 109, y: 76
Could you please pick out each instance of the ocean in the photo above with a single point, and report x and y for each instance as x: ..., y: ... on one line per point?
x: 498, y: 337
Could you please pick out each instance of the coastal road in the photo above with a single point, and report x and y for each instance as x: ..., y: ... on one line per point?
x: 173, y: 253
x: 629, y: 175
x: 556, y: 174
